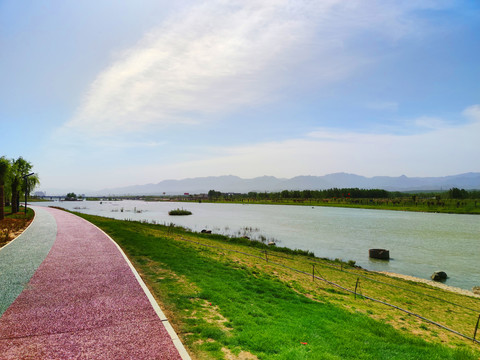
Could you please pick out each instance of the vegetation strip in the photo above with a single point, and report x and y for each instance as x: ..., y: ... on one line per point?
x: 222, y: 303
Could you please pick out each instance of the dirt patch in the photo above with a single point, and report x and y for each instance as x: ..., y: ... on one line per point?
x: 11, y: 228
x: 212, y: 315
x: 243, y: 355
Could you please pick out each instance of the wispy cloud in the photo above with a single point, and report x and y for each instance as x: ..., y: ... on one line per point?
x: 438, y: 151
x: 222, y: 55
x: 433, y: 151
x: 430, y: 122
x: 472, y: 113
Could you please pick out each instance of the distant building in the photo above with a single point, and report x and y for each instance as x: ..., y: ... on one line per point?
x: 39, y: 193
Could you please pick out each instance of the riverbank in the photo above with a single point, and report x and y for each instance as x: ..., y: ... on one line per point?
x: 226, y: 296
x: 432, y: 283
x: 421, y: 202
x: 467, y: 207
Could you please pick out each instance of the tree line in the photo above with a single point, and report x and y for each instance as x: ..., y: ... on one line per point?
x: 342, y: 193
x: 13, y: 182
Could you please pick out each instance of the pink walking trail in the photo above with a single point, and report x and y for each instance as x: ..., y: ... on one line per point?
x: 83, y: 302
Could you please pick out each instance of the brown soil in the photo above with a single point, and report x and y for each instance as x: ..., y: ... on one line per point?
x: 11, y: 228
x: 243, y: 355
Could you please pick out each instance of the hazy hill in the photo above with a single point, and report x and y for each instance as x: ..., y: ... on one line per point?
x: 232, y: 183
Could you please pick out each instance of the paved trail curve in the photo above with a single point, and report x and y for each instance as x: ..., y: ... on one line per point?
x: 68, y: 292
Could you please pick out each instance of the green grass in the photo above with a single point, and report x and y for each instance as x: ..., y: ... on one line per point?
x: 218, y: 300
x: 20, y: 214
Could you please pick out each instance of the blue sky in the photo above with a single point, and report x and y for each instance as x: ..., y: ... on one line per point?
x: 108, y: 94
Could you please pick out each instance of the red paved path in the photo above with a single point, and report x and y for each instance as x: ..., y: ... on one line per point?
x: 83, y: 302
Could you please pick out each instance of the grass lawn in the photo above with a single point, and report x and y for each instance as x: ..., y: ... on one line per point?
x: 227, y: 305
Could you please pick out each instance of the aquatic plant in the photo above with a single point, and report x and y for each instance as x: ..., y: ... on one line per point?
x: 179, y: 212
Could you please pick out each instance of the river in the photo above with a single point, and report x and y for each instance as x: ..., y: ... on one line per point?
x: 419, y: 243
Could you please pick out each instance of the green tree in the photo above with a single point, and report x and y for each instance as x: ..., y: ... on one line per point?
x: 71, y: 196
x: 456, y: 193
x: 4, y: 170
x: 307, y: 194
x: 252, y: 195
x: 21, y: 167
x: 214, y: 195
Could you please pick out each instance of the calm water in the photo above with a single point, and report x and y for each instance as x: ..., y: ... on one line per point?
x: 419, y: 243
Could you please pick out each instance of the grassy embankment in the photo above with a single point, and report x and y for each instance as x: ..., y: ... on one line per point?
x: 14, y: 224
x: 224, y: 303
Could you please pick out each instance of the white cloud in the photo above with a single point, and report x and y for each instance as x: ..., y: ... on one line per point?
x: 472, y: 113
x: 430, y: 122
x: 441, y: 151
x: 202, y: 62
x: 446, y: 149
x: 222, y: 55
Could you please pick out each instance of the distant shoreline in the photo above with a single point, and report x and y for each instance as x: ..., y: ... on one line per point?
x: 313, y: 203
x: 411, y: 208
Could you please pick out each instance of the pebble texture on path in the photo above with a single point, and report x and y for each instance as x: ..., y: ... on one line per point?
x: 83, y: 302
x: 20, y: 259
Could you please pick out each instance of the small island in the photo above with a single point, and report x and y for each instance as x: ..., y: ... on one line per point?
x: 71, y: 197
x: 179, y: 212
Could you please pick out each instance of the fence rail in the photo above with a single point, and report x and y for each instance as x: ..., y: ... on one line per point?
x: 402, y: 288
x: 316, y: 275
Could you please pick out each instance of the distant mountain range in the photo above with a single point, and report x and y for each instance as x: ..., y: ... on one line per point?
x: 235, y: 184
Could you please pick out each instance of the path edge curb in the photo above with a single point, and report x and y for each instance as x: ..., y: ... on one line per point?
x: 171, y: 331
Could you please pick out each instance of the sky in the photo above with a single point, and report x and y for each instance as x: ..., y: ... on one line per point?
x: 105, y: 94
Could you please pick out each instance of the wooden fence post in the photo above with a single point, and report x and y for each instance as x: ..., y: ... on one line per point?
x: 356, y: 286
x: 476, y: 328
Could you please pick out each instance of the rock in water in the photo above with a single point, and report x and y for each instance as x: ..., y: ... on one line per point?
x: 439, y: 276
x: 381, y: 254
